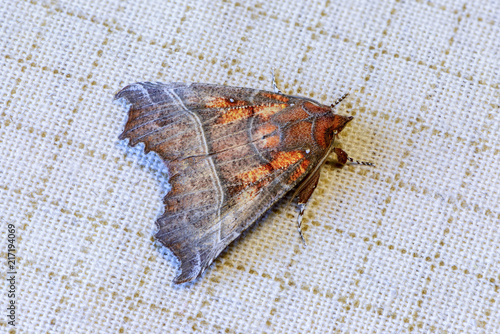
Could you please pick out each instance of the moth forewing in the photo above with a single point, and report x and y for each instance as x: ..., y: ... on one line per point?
x: 232, y: 153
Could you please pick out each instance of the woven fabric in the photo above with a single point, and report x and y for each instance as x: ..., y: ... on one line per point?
x: 410, y: 245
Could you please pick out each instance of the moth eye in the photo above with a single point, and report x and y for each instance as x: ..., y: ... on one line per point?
x: 335, y: 132
x: 231, y: 100
x: 308, y: 151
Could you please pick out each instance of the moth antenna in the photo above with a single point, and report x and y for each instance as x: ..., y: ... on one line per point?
x: 364, y: 163
x: 340, y: 99
x: 275, y: 87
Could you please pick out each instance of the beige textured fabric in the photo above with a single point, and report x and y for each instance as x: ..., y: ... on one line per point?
x: 411, y: 245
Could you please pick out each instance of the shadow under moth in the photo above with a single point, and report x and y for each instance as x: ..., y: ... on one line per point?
x: 231, y: 153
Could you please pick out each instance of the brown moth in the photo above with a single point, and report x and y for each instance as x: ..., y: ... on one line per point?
x: 231, y: 153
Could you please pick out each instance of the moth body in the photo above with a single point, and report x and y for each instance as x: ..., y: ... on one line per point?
x: 231, y: 153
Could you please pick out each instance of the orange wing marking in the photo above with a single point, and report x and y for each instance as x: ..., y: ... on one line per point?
x: 232, y: 114
x: 301, y: 170
x: 269, y: 110
x: 277, y: 97
x: 285, y: 159
x: 281, y: 161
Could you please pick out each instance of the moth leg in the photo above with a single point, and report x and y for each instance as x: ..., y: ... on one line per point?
x: 305, y: 191
x: 275, y: 87
x: 302, y: 209
x: 342, y: 158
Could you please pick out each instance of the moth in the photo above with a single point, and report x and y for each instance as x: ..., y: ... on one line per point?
x: 231, y: 153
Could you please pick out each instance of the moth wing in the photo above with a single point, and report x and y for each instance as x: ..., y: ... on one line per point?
x: 198, y: 233
x: 220, y: 181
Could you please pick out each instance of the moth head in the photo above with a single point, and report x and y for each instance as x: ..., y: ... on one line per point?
x: 339, y: 122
